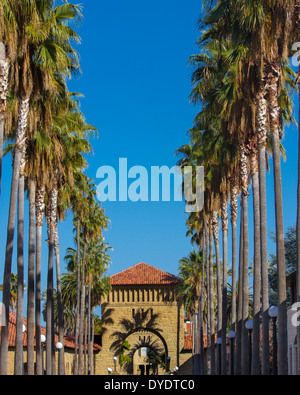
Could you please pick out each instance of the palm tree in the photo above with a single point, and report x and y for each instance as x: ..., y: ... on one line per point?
x: 36, y: 37
x: 190, y: 272
x: 24, y: 17
x: 20, y: 286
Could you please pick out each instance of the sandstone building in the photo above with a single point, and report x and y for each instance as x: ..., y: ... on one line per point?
x: 143, y: 310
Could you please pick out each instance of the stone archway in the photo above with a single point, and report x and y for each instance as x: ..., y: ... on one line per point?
x: 148, y: 353
x: 142, y: 303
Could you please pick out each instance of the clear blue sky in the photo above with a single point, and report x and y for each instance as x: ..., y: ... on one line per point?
x: 136, y: 83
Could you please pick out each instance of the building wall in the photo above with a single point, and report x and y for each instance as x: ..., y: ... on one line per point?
x: 152, y: 309
x: 69, y: 359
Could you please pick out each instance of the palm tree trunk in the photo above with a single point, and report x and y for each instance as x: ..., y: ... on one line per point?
x: 49, y: 303
x: 20, y: 285
x: 238, y: 353
x: 201, y: 306
x: 31, y: 270
x: 78, y: 300
x: 224, y: 216
x: 51, y: 221
x: 90, y: 352
x: 20, y: 139
x: 234, y: 216
x: 257, y: 268
x: 40, y: 212
x: 212, y: 307
x: 82, y: 310
x: 85, y: 336
x: 215, y: 225
x: 261, y: 127
x: 196, y: 359
x: 4, y: 71
x: 60, y: 307
x: 274, y: 110
x: 208, y: 236
x: 92, y: 341
x: 245, y: 289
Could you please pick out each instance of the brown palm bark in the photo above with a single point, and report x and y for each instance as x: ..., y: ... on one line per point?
x: 49, y: 302
x: 234, y: 217
x: 211, y: 305
x: 40, y: 212
x: 4, y: 71
x: 224, y: 217
x: 215, y: 225
x: 208, y: 236
x: 31, y: 275
x: 261, y: 128
x: 245, y: 288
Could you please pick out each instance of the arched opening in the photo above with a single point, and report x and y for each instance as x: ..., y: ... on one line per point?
x: 147, y: 353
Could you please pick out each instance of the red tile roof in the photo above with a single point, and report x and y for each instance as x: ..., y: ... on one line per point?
x: 69, y: 341
x: 144, y: 274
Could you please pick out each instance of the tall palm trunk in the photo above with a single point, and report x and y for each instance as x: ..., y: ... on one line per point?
x: 224, y: 217
x: 82, y: 311
x: 49, y: 304
x: 40, y: 212
x: 261, y: 128
x: 20, y: 138
x: 238, y: 352
x: 234, y: 216
x: 92, y: 341
x: 274, y: 111
x: 20, y: 285
x: 208, y: 330
x: 201, y: 305
x: 60, y: 307
x: 196, y: 359
x: 215, y: 225
x: 51, y: 220
x: 4, y: 71
x: 31, y: 270
x: 211, y: 306
x: 85, y: 336
x: 257, y: 268
x: 90, y: 350
x: 78, y: 300
x: 245, y: 289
